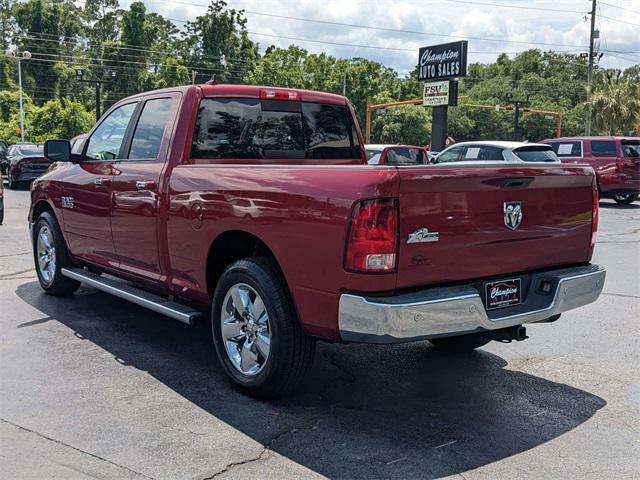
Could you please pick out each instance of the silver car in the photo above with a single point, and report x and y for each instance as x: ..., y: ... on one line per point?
x: 497, y: 151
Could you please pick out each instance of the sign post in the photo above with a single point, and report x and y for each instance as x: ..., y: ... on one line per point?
x: 438, y: 65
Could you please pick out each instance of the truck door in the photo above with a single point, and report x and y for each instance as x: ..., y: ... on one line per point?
x: 85, y: 194
x: 137, y: 188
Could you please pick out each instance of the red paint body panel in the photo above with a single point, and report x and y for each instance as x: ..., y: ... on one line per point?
x: 161, y: 236
x: 465, y: 206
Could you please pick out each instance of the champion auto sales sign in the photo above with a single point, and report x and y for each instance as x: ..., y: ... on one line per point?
x: 440, y: 62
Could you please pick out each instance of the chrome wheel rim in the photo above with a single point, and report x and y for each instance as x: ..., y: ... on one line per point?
x: 46, y: 252
x: 245, y: 328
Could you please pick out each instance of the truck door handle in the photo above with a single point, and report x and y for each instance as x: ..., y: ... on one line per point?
x: 101, y: 181
x: 145, y: 184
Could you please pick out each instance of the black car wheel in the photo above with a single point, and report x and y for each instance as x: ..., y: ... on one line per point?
x: 11, y: 183
x: 626, y: 199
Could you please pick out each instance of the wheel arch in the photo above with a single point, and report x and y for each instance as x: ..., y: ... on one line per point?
x: 231, y: 246
x: 39, y: 208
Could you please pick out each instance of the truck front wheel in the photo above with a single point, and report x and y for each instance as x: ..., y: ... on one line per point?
x: 462, y: 343
x: 256, y: 332
x: 51, y: 256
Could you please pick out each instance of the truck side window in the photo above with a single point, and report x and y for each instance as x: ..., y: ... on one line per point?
x: 150, y: 129
x: 566, y: 149
x: 603, y: 148
x: 106, y: 140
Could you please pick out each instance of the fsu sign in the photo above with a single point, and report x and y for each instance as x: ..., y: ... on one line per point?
x: 440, y: 62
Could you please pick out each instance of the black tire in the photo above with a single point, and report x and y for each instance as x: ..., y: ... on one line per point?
x: 1, y: 209
x: 626, y: 199
x: 56, y: 284
x: 11, y: 183
x: 290, y: 352
x: 462, y: 343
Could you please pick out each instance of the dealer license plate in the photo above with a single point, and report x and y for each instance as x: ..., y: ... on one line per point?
x: 503, y: 293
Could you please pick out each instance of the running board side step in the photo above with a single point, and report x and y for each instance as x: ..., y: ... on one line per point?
x: 177, y: 311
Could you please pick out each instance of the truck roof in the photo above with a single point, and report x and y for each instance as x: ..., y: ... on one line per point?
x: 253, y: 91
x: 592, y: 137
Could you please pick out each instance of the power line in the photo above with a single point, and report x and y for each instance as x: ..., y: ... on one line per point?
x: 500, y: 5
x: 620, y: 21
x: 621, y: 8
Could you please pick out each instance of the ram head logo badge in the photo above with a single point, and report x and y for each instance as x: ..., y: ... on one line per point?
x: 512, y: 214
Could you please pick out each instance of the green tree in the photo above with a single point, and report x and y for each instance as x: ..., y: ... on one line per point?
x: 218, y: 43
x: 615, y: 104
x: 59, y: 119
x: 406, y: 124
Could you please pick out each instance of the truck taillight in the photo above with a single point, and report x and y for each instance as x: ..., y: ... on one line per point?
x: 372, y: 241
x: 278, y: 94
x: 594, y: 217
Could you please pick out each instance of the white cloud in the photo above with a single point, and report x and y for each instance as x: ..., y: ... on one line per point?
x: 441, y: 17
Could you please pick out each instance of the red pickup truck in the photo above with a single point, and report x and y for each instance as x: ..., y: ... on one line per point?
x: 257, y: 205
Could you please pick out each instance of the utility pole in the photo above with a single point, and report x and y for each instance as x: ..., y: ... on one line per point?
x: 516, y: 120
x: 344, y: 83
x: 97, y: 82
x: 587, y: 129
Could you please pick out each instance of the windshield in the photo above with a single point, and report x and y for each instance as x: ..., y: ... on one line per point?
x: 28, y: 150
x: 631, y: 149
x: 405, y: 156
x: 536, y: 154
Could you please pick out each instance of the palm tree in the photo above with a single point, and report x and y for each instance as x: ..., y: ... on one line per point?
x: 615, y: 105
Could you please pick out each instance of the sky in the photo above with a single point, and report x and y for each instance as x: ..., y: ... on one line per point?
x: 490, y: 26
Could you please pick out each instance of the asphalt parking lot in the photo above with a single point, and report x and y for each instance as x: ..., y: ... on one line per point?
x: 93, y: 387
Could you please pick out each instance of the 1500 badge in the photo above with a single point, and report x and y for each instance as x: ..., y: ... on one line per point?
x: 66, y: 202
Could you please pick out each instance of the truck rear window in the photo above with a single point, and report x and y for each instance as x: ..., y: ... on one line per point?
x: 263, y: 129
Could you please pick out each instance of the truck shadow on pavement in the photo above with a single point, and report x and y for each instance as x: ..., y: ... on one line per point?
x: 404, y: 411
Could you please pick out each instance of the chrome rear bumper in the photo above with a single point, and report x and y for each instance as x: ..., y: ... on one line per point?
x: 449, y: 311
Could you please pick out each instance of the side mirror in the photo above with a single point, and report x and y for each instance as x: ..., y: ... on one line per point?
x: 57, y: 150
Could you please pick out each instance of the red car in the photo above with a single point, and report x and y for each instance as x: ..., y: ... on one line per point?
x: 616, y: 161
x: 256, y: 204
x: 383, y: 154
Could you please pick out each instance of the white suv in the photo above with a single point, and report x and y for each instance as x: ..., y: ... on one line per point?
x: 486, y: 151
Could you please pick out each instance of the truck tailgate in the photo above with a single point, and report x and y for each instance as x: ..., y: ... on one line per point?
x: 465, y: 206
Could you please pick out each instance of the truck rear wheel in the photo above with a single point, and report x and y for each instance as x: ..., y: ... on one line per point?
x: 626, y: 199
x: 462, y: 343
x: 51, y: 256
x: 256, y: 332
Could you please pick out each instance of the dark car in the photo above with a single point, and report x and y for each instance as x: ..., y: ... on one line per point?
x: 26, y: 163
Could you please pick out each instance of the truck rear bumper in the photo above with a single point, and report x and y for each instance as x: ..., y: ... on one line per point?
x: 450, y: 311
